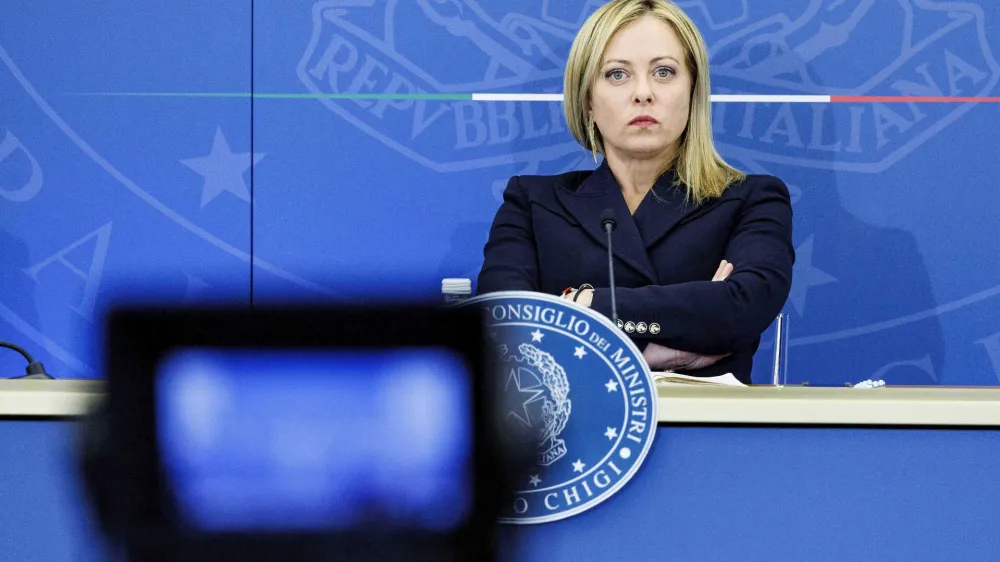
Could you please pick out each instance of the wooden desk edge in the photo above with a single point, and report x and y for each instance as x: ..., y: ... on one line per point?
x: 889, y: 406
x: 67, y: 398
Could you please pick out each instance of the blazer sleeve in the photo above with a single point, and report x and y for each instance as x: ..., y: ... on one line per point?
x: 719, y: 317
x: 510, y: 257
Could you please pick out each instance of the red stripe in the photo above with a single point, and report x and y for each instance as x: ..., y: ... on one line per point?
x: 911, y: 99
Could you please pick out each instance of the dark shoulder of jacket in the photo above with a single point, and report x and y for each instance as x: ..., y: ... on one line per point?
x: 757, y: 185
x: 544, y: 185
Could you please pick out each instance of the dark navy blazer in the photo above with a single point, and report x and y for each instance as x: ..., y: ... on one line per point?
x: 547, y: 236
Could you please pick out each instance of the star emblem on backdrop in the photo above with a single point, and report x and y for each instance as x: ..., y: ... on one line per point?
x: 223, y: 170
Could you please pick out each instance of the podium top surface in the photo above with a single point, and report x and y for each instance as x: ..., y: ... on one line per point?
x: 892, y: 406
x: 759, y: 405
x: 61, y: 398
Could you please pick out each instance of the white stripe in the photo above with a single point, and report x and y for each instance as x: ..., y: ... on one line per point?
x: 517, y: 97
x: 718, y: 98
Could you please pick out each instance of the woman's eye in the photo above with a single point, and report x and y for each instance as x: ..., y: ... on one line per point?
x: 664, y: 72
x: 617, y: 75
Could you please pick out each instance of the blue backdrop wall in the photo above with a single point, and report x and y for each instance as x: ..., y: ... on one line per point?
x: 318, y: 187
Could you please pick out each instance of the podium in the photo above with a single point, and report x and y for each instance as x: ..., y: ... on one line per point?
x: 758, y: 473
x: 792, y: 473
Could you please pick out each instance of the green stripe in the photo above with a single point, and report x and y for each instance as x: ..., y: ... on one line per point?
x: 448, y: 97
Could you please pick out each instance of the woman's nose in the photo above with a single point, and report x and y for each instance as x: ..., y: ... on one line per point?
x: 643, y: 93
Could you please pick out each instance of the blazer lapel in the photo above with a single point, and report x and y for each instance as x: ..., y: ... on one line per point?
x: 598, y: 192
x: 657, y: 216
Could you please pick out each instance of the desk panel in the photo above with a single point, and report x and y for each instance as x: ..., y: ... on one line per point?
x: 704, y: 493
x: 816, y: 494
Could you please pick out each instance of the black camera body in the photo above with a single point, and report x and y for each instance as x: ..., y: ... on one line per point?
x: 297, y: 433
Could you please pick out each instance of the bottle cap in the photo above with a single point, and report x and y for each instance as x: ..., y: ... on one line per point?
x: 456, y: 286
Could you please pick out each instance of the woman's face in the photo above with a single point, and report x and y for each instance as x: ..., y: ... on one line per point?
x: 642, y: 97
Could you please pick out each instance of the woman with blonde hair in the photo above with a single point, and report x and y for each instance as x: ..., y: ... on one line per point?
x: 703, y: 252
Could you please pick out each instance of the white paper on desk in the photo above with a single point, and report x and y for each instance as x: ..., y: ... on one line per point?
x: 676, y: 379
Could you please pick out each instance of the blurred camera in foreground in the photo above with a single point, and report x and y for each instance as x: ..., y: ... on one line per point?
x: 300, y: 433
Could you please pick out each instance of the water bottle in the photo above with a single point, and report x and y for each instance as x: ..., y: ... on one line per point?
x: 456, y: 290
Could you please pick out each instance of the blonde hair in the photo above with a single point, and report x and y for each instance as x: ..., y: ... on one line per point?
x: 698, y: 166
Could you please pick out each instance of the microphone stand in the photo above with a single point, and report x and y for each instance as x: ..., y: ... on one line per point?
x: 35, y: 369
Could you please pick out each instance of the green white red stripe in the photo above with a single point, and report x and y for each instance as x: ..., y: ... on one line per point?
x: 716, y: 98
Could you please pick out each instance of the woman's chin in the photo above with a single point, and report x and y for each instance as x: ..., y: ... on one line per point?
x: 645, y: 148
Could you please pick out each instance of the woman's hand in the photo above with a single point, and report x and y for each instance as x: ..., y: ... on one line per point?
x: 662, y: 358
x: 725, y: 268
x: 585, y: 299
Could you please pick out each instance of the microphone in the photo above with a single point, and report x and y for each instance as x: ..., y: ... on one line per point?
x: 35, y: 370
x: 608, y: 223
